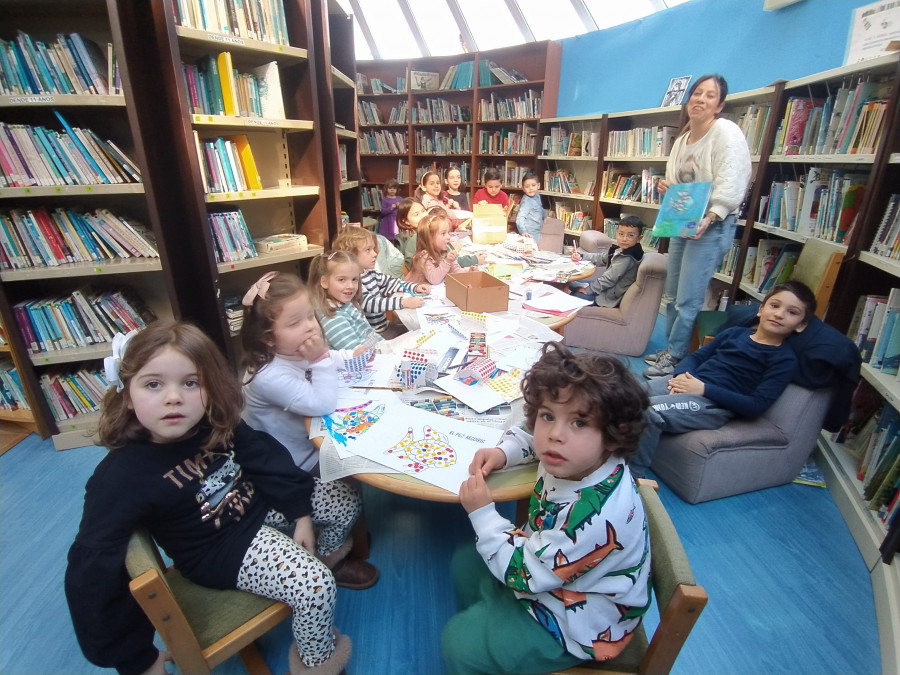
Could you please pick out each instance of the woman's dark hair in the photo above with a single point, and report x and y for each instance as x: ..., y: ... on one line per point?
x: 612, y: 399
x: 224, y: 400
x: 715, y: 77
x: 403, y: 209
x: 256, y: 331
x: 801, y: 291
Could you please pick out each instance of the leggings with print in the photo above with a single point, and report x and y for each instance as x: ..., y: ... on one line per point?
x: 276, y: 567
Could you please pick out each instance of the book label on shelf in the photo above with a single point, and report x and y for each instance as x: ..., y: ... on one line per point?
x: 215, y: 37
x: 23, y: 100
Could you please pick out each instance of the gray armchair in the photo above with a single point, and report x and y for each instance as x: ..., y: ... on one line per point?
x: 625, y: 329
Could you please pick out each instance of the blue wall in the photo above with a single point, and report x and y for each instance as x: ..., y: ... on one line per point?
x: 628, y: 67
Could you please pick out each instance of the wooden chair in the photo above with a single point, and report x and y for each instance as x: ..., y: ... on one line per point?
x: 201, y: 627
x: 679, y: 599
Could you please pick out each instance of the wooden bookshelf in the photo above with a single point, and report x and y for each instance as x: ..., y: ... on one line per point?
x: 112, y: 116
x: 538, y: 62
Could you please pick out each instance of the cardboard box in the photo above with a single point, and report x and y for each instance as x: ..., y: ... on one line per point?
x: 488, y: 224
x: 477, y: 292
x: 552, y: 233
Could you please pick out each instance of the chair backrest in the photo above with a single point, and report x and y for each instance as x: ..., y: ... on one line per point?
x: 678, y: 597
x: 201, y: 627
x: 552, y: 235
x: 644, y: 295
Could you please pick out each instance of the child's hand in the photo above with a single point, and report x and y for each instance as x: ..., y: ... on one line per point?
x: 394, y: 206
x: 474, y: 493
x: 483, y: 201
x: 481, y: 258
x: 662, y: 186
x: 412, y: 303
x: 422, y: 289
x: 314, y: 349
x: 576, y: 256
x: 487, y: 460
x: 304, y: 535
x: 453, y: 204
x: 362, y: 349
x: 451, y: 255
x: 685, y: 383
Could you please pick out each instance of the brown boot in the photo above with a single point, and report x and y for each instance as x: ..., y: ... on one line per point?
x: 333, y: 666
x: 355, y: 574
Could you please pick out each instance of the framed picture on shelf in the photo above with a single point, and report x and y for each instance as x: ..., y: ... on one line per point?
x: 675, y: 92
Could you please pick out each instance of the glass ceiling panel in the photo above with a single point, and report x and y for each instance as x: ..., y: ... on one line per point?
x: 360, y: 46
x: 439, y: 29
x: 389, y: 29
x: 551, y: 21
x: 491, y: 24
x: 609, y: 13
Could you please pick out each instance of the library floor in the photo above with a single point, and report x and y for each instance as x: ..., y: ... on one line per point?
x: 788, y: 590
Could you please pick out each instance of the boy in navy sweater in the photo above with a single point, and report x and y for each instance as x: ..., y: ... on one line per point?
x: 740, y: 373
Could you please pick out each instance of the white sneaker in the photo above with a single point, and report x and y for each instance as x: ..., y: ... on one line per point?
x: 664, y: 367
x: 650, y: 359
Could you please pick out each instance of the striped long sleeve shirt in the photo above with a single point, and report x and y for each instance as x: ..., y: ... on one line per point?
x: 377, y: 291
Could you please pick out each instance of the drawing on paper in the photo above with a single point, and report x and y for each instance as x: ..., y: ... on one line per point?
x: 348, y: 424
x: 439, y: 319
x: 433, y: 451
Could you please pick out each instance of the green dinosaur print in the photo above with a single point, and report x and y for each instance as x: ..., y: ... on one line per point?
x: 590, y: 502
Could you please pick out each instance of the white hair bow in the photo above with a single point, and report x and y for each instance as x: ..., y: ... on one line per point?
x: 111, y: 364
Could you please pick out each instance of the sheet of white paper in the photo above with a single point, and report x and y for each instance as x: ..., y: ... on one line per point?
x: 333, y: 467
x: 536, y: 331
x: 556, y: 302
x: 479, y: 397
x: 435, y: 317
x: 522, y: 357
x: 433, y: 448
x: 378, y: 373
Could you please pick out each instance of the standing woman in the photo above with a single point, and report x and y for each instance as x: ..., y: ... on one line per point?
x: 712, y: 149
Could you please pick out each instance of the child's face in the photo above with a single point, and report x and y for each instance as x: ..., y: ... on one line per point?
x: 782, y: 315
x: 442, y: 237
x: 416, y: 213
x: 566, y: 443
x: 166, y: 396
x: 391, y: 191
x: 294, y: 326
x: 454, y: 180
x: 341, y: 284
x: 626, y: 237
x: 367, y: 256
x: 433, y: 185
x: 531, y: 187
x: 493, y: 187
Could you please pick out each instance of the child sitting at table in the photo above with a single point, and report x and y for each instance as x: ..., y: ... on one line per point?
x: 435, y: 256
x: 379, y: 290
x: 454, y: 182
x: 337, y: 296
x: 579, y: 567
x: 429, y: 192
x: 491, y: 192
x: 409, y: 213
x: 621, y: 261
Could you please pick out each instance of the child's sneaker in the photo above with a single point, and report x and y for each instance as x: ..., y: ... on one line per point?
x: 664, y: 367
x: 650, y: 359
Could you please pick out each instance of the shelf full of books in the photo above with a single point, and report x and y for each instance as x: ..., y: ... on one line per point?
x: 80, y: 241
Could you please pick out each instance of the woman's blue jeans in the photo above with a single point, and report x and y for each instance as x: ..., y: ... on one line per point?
x: 692, y: 263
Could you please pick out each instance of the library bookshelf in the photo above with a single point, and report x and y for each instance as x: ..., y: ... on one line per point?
x: 291, y: 195
x: 473, y: 122
x: 113, y: 117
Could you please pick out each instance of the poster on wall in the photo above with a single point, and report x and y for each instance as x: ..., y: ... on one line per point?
x: 675, y: 93
x: 874, y: 32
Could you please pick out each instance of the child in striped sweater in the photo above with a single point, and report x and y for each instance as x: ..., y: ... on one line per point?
x: 335, y: 289
x: 378, y: 290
